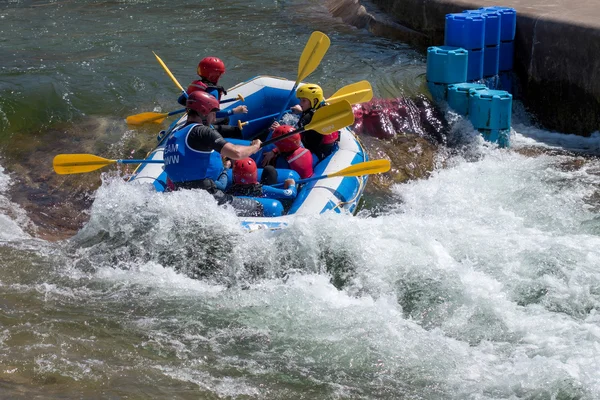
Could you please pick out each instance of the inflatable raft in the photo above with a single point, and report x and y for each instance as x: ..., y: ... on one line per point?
x: 264, y: 96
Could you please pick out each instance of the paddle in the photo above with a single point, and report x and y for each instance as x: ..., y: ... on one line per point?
x: 364, y: 168
x: 325, y: 120
x: 170, y: 74
x: 355, y: 93
x: 65, y: 164
x: 158, y: 118
x: 311, y: 57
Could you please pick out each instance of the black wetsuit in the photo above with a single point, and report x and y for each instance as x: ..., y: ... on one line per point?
x: 203, y: 138
x: 312, y: 139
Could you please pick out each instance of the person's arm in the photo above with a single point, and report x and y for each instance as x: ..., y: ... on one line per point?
x: 229, y: 131
x: 276, y: 193
x: 235, y: 110
x: 237, y: 152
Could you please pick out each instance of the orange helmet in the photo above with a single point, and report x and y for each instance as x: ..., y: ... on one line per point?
x: 211, y: 68
x: 288, y: 144
x: 244, y: 171
x: 202, y: 102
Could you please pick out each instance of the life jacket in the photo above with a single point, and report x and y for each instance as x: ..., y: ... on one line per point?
x: 300, y: 160
x: 199, y: 84
x: 306, y: 118
x: 182, y: 163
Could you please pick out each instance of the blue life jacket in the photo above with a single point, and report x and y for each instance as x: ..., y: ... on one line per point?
x: 183, y: 164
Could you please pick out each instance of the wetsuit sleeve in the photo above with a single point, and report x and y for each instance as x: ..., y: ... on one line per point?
x: 276, y: 193
x: 223, y: 114
x: 229, y: 131
x: 203, y: 138
x: 182, y: 99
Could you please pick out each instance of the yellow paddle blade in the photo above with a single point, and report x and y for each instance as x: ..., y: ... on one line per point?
x: 355, y: 93
x: 168, y: 72
x: 364, y: 168
x: 142, y: 118
x: 65, y: 164
x: 313, y: 53
x: 331, y: 118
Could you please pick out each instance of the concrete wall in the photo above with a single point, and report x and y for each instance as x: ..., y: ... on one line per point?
x: 557, y: 51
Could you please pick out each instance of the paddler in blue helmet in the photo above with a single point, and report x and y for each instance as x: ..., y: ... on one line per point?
x: 193, y: 153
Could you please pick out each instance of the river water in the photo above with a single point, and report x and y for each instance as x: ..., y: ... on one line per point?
x: 480, y: 282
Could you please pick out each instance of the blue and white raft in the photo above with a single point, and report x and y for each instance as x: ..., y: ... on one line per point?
x: 264, y: 96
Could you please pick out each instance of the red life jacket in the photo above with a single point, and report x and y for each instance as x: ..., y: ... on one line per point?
x: 300, y: 160
x: 200, y: 85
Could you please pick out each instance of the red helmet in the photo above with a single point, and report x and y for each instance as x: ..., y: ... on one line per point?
x: 202, y: 102
x: 288, y: 144
x: 211, y: 68
x: 244, y: 171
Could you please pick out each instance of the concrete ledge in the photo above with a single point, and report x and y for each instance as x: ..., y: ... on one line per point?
x: 557, y: 52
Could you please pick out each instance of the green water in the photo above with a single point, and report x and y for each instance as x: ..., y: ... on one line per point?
x: 479, y: 282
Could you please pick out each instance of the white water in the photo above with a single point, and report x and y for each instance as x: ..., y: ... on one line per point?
x: 13, y: 218
x: 482, y: 282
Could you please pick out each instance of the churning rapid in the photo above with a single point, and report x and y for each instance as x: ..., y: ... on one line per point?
x: 477, y: 281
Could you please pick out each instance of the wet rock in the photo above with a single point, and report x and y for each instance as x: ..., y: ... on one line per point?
x: 388, y: 118
x: 408, y: 132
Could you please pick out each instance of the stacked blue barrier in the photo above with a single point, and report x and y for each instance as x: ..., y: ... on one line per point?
x: 479, y: 46
x: 468, y: 32
x: 508, y: 28
x: 459, y: 93
x: 491, y: 50
x: 490, y: 112
x: 445, y: 65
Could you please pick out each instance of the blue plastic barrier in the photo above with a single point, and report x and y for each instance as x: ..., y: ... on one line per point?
x: 508, y: 22
x: 438, y: 91
x: 491, y: 61
x: 446, y: 64
x: 458, y: 96
x: 492, y: 25
x: 475, y: 65
x: 500, y: 136
x: 490, y: 109
x: 507, y: 51
x: 465, y: 30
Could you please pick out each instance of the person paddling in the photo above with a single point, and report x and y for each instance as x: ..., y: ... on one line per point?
x: 192, y: 154
x: 311, y: 99
x: 289, y: 152
x: 210, y: 70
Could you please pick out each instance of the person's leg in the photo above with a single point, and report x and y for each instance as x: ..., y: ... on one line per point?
x: 269, y: 175
x: 244, y: 207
